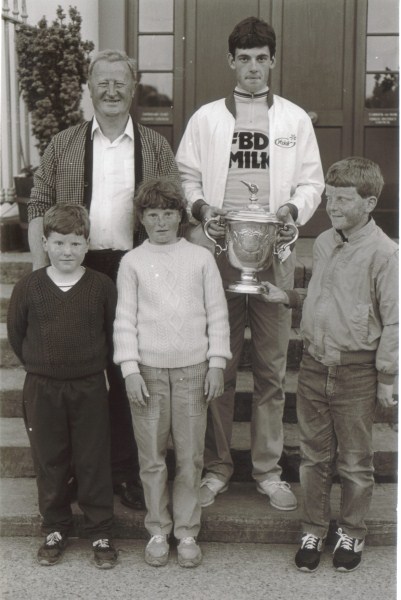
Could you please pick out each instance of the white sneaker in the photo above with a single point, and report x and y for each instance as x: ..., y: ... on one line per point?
x: 157, y: 551
x: 209, y: 488
x: 189, y: 553
x: 280, y: 494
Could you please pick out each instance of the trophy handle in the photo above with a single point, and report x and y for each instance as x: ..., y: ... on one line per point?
x: 282, y: 250
x: 219, y: 249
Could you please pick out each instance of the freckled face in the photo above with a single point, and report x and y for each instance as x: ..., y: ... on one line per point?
x: 347, y: 210
x: 161, y: 224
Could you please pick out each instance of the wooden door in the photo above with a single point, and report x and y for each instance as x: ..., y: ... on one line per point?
x: 314, y: 69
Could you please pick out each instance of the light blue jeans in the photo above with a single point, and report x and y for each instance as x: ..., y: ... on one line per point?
x: 335, y: 407
x: 176, y: 407
x: 270, y: 326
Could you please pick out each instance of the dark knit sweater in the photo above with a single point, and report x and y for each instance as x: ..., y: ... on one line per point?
x: 62, y: 335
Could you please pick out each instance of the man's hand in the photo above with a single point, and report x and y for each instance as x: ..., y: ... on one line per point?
x: 284, y: 215
x: 274, y: 294
x: 385, y: 395
x: 214, y: 229
x: 214, y: 383
x: 137, y: 391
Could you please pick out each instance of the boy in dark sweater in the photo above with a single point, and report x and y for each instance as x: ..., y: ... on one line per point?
x: 60, y: 325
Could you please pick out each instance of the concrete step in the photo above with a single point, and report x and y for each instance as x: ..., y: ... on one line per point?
x: 239, y: 515
x: 12, y: 380
x: 294, y: 354
x: 14, y: 265
x: 5, y: 293
x: 16, y: 459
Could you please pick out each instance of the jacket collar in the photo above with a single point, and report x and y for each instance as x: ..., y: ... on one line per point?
x: 230, y: 102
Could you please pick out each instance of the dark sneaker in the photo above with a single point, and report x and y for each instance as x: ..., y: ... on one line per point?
x: 131, y: 494
x: 157, y: 551
x: 308, y: 556
x: 347, y: 552
x: 105, y: 554
x: 52, y: 550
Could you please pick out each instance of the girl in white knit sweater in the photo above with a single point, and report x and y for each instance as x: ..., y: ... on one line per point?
x: 171, y: 338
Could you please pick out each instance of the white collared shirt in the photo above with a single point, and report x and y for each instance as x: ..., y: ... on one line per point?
x: 113, y: 183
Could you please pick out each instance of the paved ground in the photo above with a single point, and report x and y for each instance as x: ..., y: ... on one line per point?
x: 228, y: 572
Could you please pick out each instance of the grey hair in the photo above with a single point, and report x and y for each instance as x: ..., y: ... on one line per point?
x: 114, y: 56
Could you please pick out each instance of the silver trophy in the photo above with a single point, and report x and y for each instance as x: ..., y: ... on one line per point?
x: 251, y: 241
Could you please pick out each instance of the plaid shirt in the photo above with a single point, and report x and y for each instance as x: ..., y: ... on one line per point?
x: 65, y: 171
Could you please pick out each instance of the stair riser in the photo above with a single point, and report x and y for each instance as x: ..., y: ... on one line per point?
x: 294, y: 355
x: 11, y: 405
x: 246, y: 531
x: 11, y: 272
x: 17, y: 462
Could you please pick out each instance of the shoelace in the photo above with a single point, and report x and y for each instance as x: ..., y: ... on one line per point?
x: 310, y: 541
x: 53, y: 538
x: 101, y: 543
x: 158, y: 539
x: 187, y: 540
x: 346, y: 542
x: 283, y: 485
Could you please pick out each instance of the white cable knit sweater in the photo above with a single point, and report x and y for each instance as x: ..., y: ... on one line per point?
x: 171, y: 309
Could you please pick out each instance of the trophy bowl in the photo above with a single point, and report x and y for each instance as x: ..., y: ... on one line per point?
x: 252, y: 240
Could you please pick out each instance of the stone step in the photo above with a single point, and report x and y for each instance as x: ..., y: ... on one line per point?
x: 11, y: 382
x: 294, y: 354
x: 16, y: 460
x: 5, y: 293
x: 244, y: 390
x: 240, y: 515
x: 14, y: 265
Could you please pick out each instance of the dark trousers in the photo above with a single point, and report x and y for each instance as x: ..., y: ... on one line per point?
x: 124, y: 451
x: 67, y: 421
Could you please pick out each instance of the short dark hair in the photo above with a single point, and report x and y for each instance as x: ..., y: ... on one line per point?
x: 356, y: 171
x: 160, y: 193
x: 65, y: 219
x: 252, y: 33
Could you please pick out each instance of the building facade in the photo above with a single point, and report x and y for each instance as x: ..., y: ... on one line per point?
x: 337, y: 59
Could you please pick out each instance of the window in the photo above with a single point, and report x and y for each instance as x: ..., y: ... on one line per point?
x: 382, y: 77
x: 154, y: 94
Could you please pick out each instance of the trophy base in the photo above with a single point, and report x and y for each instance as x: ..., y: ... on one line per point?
x: 240, y: 287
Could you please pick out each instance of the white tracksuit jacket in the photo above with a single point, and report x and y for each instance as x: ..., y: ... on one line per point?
x: 296, y: 174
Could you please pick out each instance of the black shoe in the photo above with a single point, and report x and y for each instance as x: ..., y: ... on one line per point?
x: 52, y: 550
x: 347, y: 552
x: 131, y: 495
x: 104, y: 553
x: 308, y: 556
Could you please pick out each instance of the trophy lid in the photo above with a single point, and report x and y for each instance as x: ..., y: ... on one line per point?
x: 252, y: 211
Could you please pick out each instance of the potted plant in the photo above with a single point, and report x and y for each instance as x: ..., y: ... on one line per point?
x: 52, y: 69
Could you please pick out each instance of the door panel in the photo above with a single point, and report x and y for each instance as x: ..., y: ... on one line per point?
x: 317, y: 73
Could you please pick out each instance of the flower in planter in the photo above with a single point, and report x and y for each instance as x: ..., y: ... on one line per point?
x: 53, y: 62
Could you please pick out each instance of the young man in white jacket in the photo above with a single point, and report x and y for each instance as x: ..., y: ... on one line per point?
x: 264, y: 139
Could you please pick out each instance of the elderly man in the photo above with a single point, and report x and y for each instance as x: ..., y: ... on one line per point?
x: 100, y: 164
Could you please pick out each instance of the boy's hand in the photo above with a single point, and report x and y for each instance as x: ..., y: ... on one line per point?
x: 385, y: 395
x: 214, y: 383
x: 274, y: 294
x: 137, y: 391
